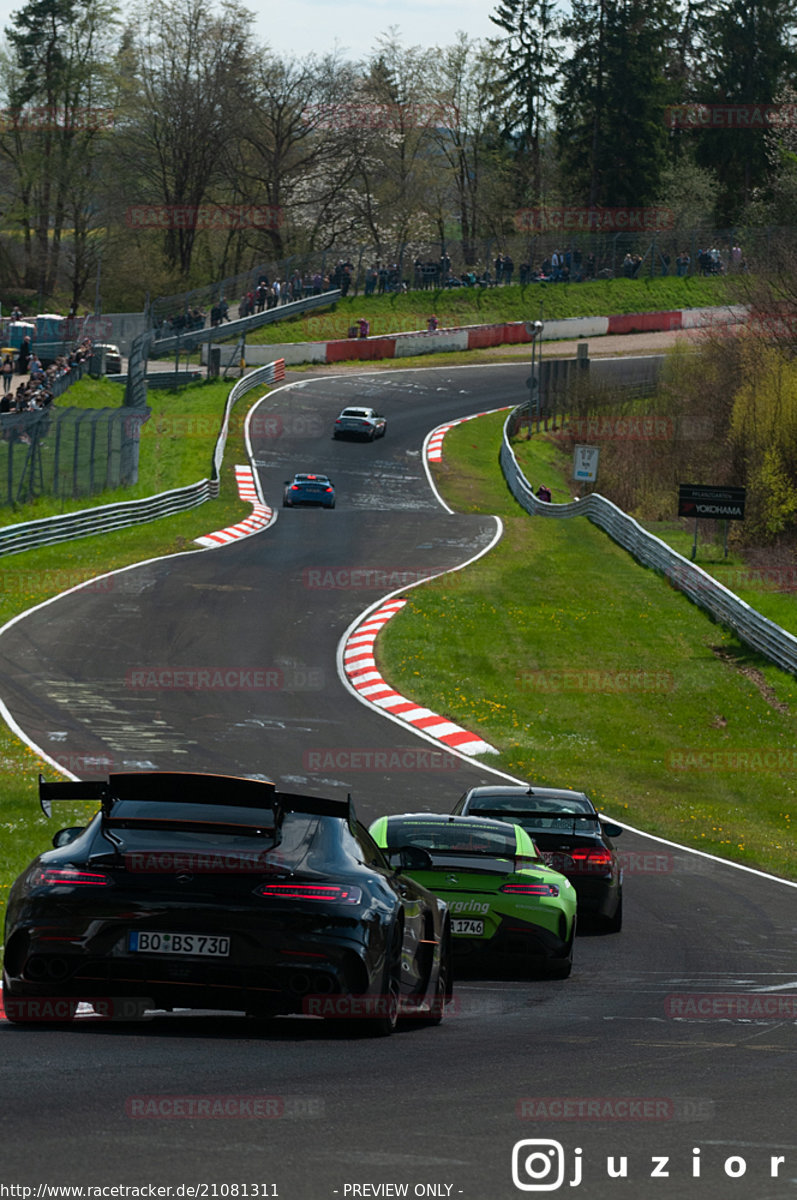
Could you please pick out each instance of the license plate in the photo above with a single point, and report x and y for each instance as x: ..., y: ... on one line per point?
x: 196, y: 944
x: 463, y: 925
x: 557, y: 860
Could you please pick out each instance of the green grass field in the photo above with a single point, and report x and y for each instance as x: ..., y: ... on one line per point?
x: 587, y: 670
x: 769, y: 590
x: 474, y: 306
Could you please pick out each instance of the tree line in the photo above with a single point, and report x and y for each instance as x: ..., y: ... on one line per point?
x: 164, y: 148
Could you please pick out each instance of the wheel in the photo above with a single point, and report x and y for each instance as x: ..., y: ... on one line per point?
x: 614, y: 923
x: 560, y: 968
x: 385, y: 1024
x: 444, y: 982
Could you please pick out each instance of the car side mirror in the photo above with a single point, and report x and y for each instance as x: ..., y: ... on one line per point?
x: 410, y: 858
x: 611, y: 830
x: 64, y: 836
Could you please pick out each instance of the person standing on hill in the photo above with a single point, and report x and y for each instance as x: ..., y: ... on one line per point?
x: 7, y: 371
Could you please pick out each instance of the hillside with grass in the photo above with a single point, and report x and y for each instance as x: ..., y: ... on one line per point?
x: 395, y: 313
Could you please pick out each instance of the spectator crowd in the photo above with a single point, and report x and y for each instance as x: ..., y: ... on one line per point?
x: 36, y: 387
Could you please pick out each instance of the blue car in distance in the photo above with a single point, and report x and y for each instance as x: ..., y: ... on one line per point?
x: 309, y: 489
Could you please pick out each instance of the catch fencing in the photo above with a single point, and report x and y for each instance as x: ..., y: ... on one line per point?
x: 14, y: 539
x: 67, y: 452
x: 750, y: 626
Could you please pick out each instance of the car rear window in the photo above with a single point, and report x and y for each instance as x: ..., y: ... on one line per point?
x: 473, y: 838
x: 531, y: 804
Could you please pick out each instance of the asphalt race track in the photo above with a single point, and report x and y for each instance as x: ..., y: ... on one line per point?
x: 664, y: 1067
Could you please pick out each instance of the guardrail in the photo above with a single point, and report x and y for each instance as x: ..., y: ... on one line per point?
x: 48, y: 531
x: 189, y: 340
x: 756, y: 630
x: 270, y: 373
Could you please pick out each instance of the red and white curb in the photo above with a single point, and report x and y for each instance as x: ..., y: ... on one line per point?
x: 261, y: 517
x: 434, y: 446
x: 360, y: 667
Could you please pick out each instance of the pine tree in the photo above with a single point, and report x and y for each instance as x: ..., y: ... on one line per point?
x: 528, y: 58
x: 612, y: 132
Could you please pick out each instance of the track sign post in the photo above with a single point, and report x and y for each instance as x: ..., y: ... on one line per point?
x: 711, y: 504
x: 585, y: 463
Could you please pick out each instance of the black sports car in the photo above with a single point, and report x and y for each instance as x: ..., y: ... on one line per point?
x: 570, y: 835
x: 209, y: 891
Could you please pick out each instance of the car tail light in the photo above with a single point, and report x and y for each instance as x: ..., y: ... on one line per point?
x: 294, y: 487
x: 530, y: 889
x: 587, y: 861
x: 332, y: 893
x: 55, y: 876
x: 328, y: 489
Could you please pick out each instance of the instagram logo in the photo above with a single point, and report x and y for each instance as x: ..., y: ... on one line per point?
x: 538, y: 1165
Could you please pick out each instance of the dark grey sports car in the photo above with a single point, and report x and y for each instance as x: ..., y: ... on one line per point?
x: 209, y: 891
x: 571, y: 836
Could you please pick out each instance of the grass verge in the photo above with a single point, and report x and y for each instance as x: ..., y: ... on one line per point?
x: 475, y: 306
x: 770, y: 589
x: 36, y: 575
x: 587, y: 670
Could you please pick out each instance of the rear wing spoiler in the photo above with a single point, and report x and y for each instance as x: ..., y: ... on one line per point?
x: 188, y: 788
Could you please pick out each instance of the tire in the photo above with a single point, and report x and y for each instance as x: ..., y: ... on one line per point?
x: 384, y: 1025
x: 560, y: 968
x: 614, y: 923
x: 444, y: 981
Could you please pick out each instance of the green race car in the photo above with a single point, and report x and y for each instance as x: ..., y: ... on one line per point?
x: 503, y: 899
